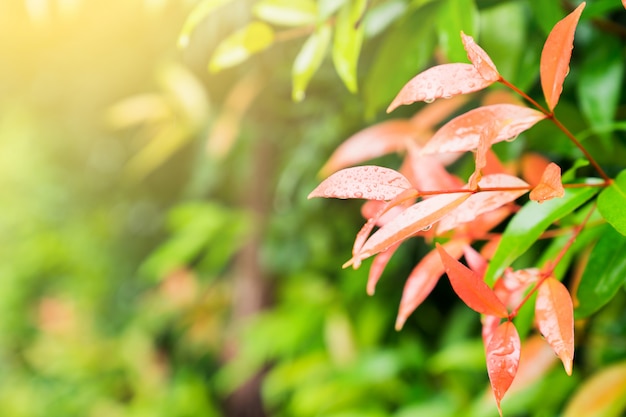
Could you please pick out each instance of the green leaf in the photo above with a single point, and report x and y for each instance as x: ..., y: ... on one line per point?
x: 612, y: 201
x: 503, y: 36
x: 390, y: 70
x: 547, y: 13
x: 309, y: 60
x: 456, y: 16
x: 600, y: 82
x: 604, y: 275
x: 239, y: 46
x: 529, y: 223
x: 381, y: 16
x: 286, y: 12
x: 198, y: 14
x: 348, y: 41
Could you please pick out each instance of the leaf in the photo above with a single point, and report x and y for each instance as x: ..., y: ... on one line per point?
x: 555, y: 318
x: 377, y: 140
x: 418, y: 217
x: 536, y: 360
x: 479, y: 58
x: 611, y: 203
x: 286, y: 12
x: 445, y: 81
x: 423, y: 279
x: 533, y: 165
x: 485, y: 201
x: 347, y: 42
x: 529, y: 223
x: 604, y: 275
x: 480, y: 156
x: 602, y: 395
x: 463, y: 132
x: 453, y: 17
x: 368, y: 182
x: 239, y: 46
x: 556, y: 55
x: 470, y: 288
x: 378, y: 266
x: 198, y: 14
x: 427, y: 173
x: 550, y: 185
x: 308, y: 60
x: 503, y: 355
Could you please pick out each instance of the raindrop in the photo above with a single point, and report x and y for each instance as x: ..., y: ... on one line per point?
x: 427, y: 228
x: 358, y: 194
x: 511, y: 139
x: 429, y: 100
x: 447, y: 96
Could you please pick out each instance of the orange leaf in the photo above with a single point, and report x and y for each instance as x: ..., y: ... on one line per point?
x: 463, y: 132
x: 445, y: 81
x: 475, y: 260
x: 480, y: 156
x: 550, y: 185
x: 556, y: 55
x: 535, y: 362
x: 423, y: 279
x: 429, y: 116
x: 378, y: 266
x: 485, y: 201
x: 555, y: 318
x: 470, y: 288
x: 482, y: 62
x: 369, y: 182
x: 419, y: 216
x: 503, y: 355
x: 533, y: 166
x: 427, y: 173
x: 381, y: 139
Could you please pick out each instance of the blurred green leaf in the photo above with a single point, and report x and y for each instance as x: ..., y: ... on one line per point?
x: 348, y: 41
x: 612, y: 201
x: 456, y: 16
x: 547, y: 14
x: 309, y: 60
x: 529, y: 223
x: 286, y: 12
x: 239, y: 46
x: 199, y: 13
x: 600, y: 83
x: 382, y: 15
x: 604, y: 275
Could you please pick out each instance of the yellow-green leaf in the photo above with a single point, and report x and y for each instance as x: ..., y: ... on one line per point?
x: 236, y: 48
x: 603, y: 395
x: 348, y: 41
x: 286, y: 12
x: 309, y: 60
x: 199, y: 13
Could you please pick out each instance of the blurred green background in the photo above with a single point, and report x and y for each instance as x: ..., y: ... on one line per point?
x: 158, y: 255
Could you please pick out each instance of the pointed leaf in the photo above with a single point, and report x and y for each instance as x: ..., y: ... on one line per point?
x: 463, y: 132
x: 611, y: 203
x: 197, y: 15
x: 418, y: 217
x: 239, y: 46
x: 556, y: 55
x: 533, y: 165
x: 286, y: 12
x: 480, y: 59
x: 503, y: 355
x: 377, y: 140
x: 309, y: 60
x: 470, y: 288
x: 480, y: 156
x: 476, y: 262
x: 555, y: 318
x: 550, y: 185
x: 347, y: 42
x: 423, y: 279
x: 604, y: 274
x: 529, y: 223
x: 445, y: 80
x: 368, y: 182
x: 536, y: 360
x: 378, y: 266
x: 602, y: 395
x: 485, y: 201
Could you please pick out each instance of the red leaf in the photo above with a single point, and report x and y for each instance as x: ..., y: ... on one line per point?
x: 369, y: 182
x: 485, y: 201
x: 445, y: 81
x: 378, y: 266
x: 555, y: 318
x: 550, y: 185
x: 533, y: 166
x: 503, y: 355
x: 423, y: 279
x: 463, y: 132
x: 419, y: 216
x: 381, y: 139
x: 470, y: 288
x: 556, y: 55
x: 482, y: 62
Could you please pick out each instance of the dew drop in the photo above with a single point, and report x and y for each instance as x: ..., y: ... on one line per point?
x: 429, y: 100
x: 447, y: 96
x: 427, y: 228
x: 511, y: 139
x: 471, y: 84
x: 358, y: 194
